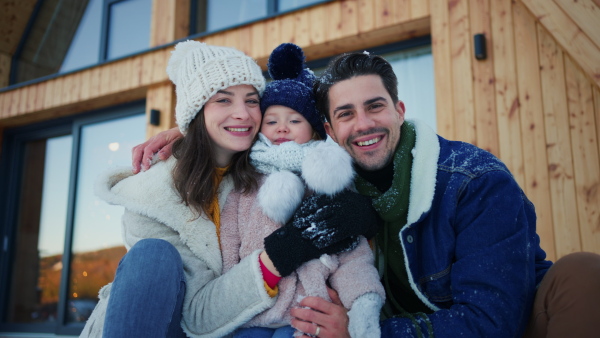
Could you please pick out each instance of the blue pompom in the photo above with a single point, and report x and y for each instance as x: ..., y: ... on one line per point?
x: 286, y: 62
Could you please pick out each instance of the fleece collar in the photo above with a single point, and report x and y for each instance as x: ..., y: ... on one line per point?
x: 424, y: 171
x: 425, y: 154
x: 152, y: 194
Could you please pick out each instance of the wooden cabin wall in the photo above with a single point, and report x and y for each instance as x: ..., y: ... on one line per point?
x: 534, y: 102
x: 322, y: 31
x: 170, y: 22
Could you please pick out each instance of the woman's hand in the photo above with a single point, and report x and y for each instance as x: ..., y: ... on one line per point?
x: 331, y: 318
x: 161, y: 143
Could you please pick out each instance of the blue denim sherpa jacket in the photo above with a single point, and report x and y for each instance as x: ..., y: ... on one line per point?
x: 470, y: 244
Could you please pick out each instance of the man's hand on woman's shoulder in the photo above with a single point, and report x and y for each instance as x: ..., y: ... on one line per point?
x: 160, y: 144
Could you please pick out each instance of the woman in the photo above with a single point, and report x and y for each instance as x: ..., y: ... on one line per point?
x: 170, y: 283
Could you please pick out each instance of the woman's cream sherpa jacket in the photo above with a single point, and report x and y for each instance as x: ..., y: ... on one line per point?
x: 215, y: 303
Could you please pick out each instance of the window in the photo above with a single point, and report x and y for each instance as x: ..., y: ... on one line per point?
x: 60, y: 242
x: 287, y: 5
x: 412, y: 62
x: 67, y: 35
x: 84, y: 48
x: 416, y: 87
x: 128, y: 27
x: 213, y: 15
x: 222, y: 14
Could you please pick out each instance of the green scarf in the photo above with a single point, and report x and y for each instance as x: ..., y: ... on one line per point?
x: 392, y: 206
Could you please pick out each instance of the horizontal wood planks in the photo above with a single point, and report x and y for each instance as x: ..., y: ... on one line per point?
x: 324, y: 30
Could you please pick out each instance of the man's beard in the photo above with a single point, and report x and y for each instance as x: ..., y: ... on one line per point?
x: 366, y: 165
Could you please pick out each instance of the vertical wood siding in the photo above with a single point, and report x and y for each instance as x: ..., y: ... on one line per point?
x: 535, y: 160
x: 535, y: 101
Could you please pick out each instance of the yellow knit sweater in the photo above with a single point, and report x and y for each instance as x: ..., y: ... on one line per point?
x: 213, y: 211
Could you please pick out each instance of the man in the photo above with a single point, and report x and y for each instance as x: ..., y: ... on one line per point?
x: 458, y: 251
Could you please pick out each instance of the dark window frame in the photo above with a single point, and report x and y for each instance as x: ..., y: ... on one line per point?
x: 103, y: 50
x: 104, y: 30
x: 11, y: 161
x: 104, y: 34
x: 272, y: 11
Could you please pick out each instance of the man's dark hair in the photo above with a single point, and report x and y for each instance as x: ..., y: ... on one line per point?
x: 347, y: 66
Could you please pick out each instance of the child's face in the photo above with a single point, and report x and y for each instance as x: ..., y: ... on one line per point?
x: 282, y: 124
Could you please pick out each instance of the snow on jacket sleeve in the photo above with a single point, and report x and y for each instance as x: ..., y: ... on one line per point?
x: 489, y: 283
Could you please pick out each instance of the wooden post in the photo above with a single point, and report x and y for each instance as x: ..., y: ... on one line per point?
x: 486, y: 124
x: 440, y: 46
x: 162, y: 98
x: 170, y: 21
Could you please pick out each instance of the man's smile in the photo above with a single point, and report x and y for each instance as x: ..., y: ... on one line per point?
x: 368, y: 142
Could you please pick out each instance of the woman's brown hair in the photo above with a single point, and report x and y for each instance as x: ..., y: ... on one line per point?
x: 194, y: 174
x: 315, y: 136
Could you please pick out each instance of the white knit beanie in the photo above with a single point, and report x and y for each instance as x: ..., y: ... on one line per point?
x: 199, y: 71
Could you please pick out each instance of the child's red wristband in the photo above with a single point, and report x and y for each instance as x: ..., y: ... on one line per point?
x: 270, y: 278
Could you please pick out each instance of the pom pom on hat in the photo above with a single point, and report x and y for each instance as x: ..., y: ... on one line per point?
x: 199, y: 71
x: 292, y: 85
x: 286, y: 62
x: 182, y: 49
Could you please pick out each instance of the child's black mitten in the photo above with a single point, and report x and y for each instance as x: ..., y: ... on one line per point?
x: 321, y: 225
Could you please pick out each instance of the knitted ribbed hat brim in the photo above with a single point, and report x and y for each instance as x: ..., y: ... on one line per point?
x: 199, y: 71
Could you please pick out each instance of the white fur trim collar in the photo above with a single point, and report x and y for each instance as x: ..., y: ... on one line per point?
x: 422, y: 187
x: 152, y: 194
x: 424, y: 170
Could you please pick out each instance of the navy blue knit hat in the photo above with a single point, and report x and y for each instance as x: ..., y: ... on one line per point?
x: 292, y: 85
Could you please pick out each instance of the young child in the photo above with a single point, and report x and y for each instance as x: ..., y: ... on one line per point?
x: 297, y: 161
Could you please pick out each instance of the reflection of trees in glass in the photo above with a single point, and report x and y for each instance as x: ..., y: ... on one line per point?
x: 90, y: 271
x: 96, y: 225
x: 49, y: 280
x: 36, y: 275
